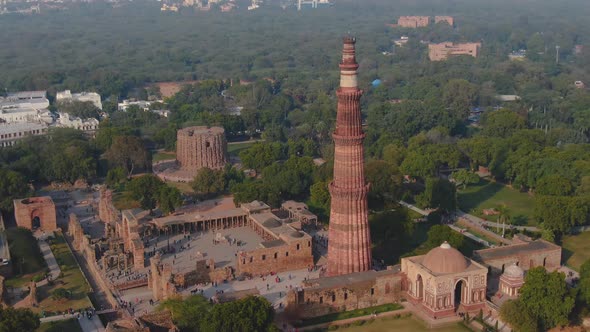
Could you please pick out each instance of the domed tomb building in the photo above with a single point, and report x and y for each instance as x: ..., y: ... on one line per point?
x: 444, y: 281
x: 512, y: 280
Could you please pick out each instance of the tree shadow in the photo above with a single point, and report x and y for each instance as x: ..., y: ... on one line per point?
x: 566, y: 254
x: 520, y: 220
x: 486, y: 190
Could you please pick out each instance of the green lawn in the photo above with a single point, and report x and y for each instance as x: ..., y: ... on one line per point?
x: 71, y: 279
x: 488, y: 195
x: 28, y: 262
x: 235, y: 148
x: 351, y: 314
x: 70, y: 325
x: 406, y: 324
x: 163, y: 155
x: 122, y: 200
x: 576, y: 249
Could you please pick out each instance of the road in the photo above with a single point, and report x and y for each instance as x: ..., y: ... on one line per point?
x: 480, y: 221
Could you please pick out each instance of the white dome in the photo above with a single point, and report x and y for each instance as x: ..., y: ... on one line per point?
x: 514, y: 271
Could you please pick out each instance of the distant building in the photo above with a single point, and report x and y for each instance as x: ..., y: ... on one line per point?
x: 447, y: 19
x: 402, y: 41
x: 142, y: 104
x: 442, y: 51
x: 413, y: 21
x: 26, y: 106
x: 10, y: 133
x: 517, y: 55
x: 82, y: 96
x: 578, y: 49
x: 67, y: 121
x: 507, y: 98
x: 169, y: 8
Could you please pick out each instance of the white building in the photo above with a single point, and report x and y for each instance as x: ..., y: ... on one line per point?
x: 142, y: 104
x: 26, y: 106
x: 67, y: 121
x: 12, y: 132
x: 82, y: 96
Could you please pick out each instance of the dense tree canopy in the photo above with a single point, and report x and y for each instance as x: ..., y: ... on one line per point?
x: 18, y: 320
x: 544, y: 298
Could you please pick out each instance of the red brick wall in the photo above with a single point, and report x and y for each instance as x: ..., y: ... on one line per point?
x: 263, y: 261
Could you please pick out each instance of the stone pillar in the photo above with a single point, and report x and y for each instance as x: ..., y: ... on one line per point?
x: 349, y: 246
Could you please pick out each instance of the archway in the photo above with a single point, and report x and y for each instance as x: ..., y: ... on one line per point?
x: 460, y: 289
x: 36, y: 222
x: 419, y: 287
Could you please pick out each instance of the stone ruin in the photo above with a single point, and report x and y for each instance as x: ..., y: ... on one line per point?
x: 106, y: 211
x: 201, y: 147
x: 36, y: 213
x: 196, y: 148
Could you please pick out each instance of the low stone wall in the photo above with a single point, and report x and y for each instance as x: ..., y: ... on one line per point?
x: 81, y: 244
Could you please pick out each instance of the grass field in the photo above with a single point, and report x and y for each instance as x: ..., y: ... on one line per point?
x: 70, y: 325
x: 71, y: 279
x: 26, y: 257
x: 234, y: 149
x: 407, y: 324
x: 122, y: 201
x: 184, y: 187
x: 163, y: 155
x: 576, y: 249
x: 488, y: 195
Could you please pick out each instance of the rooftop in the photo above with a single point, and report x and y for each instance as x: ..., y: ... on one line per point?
x: 515, y: 249
x: 7, y: 128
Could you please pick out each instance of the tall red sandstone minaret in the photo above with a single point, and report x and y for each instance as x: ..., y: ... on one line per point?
x: 349, y: 240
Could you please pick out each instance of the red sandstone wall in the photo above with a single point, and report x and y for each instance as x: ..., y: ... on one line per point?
x: 24, y: 213
x: 252, y: 262
x: 319, y: 302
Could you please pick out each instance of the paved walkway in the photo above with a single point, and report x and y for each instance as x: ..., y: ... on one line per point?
x: 54, y: 269
x: 481, y: 222
x: 87, y: 325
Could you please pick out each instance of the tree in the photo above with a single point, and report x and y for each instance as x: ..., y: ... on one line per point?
x: 12, y: 186
x: 60, y: 294
x: 459, y: 95
x: 464, y: 177
x: 146, y: 189
x: 128, y: 152
x: 555, y: 185
x: 519, y: 319
x: 385, y: 180
x: 80, y: 109
x: 188, y: 314
x: 584, y: 283
x: 503, y: 216
x: 115, y: 176
x: 439, y: 194
x: 169, y: 199
x: 501, y: 123
x: 253, y: 313
x: 545, y: 296
x: 438, y: 234
x: 320, y: 197
x: 18, y: 320
x: 208, y: 182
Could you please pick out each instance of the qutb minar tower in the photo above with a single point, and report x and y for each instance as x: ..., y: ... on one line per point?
x: 349, y: 240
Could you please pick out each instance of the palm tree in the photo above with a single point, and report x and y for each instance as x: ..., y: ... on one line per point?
x: 503, y: 216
